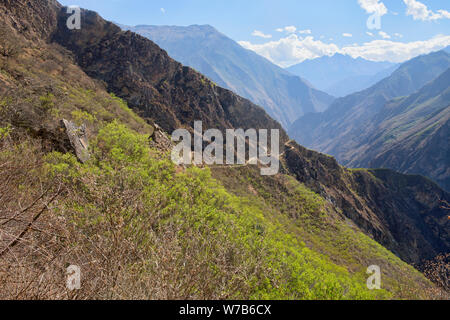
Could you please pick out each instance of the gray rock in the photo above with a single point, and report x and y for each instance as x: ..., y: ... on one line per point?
x: 160, y: 140
x: 78, y: 139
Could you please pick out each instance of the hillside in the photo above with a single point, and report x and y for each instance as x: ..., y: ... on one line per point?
x: 358, y: 83
x: 114, y: 63
x: 411, y: 134
x: 285, y: 97
x: 142, y: 228
x: 350, y: 121
x: 341, y: 75
x: 162, y: 89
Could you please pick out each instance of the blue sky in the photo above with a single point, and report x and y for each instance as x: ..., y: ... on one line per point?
x: 306, y: 29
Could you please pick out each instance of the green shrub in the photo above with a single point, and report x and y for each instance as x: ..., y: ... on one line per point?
x: 81, y: 117
x: 47, y: 101
x: 5, y: 131
x: 124, y: 196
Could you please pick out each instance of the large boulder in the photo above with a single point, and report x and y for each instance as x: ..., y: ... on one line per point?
x: 78, y: 139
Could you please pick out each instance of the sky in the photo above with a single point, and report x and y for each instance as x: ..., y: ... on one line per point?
x: 288, y: 32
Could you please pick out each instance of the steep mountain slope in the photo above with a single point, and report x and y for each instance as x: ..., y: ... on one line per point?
x: 354, y: 84
x: 411, y: 134
x: 340, y: 129
x: 163, y: 90
x: 387, y: 205
x: 159, y: 92
x: 142, y: 228
x: 340, y: 75
x: 122, y: 58
x: 284, y: 96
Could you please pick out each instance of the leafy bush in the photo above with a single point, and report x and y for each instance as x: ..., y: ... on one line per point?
x: 221, y: 246
x: 5, y: 131
x: 80, y: 117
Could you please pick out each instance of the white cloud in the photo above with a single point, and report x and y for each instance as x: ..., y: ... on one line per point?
x: 369, y: 33
x: 373, y: 6
x: 290, y: 29
x: 307, y: 31
x: 384, y: 35
x: 260, y: 34
x: 420, y: 11
x: 387, y: 50
x: 163, y: 10
x: 398, y: 35
x: 293, y: 49
x: 287, y: 29
x: 347, y: 35
x: 444, y: 14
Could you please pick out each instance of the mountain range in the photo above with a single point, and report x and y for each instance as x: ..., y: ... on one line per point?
x: 173, y: 96
x: 283, y: 95
x: 353, y: 124
x: 143, y: 227
x: 341, y: 75
x: 410, y: 134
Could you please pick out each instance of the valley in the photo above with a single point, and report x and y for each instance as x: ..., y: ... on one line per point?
x: 142, y: 227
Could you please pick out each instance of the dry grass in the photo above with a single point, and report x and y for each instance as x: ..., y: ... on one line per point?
x: 9, y: 45
x: 31, y: 240
x: 40, y: 236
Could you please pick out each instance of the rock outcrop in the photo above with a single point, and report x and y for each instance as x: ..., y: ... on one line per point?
x: 78, y: 139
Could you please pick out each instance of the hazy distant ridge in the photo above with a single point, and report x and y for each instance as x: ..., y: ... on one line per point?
x: 283, y: 95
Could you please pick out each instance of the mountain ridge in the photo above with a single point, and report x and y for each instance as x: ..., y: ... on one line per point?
x: 341, y: 75
x: 283, y: 95
x: 401, y: 212
x: 349, y: 121
x: 410, y: 134
x: 319, y: 172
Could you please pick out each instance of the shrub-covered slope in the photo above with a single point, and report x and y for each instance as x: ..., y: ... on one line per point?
x: 139, y: 227
x: 158, y: 87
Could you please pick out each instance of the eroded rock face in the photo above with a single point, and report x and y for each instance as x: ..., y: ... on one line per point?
x: 160, y: 140
x: 35, y: 19
x: 78, y: 139
x: 170, y: 94
x: 401, y: 212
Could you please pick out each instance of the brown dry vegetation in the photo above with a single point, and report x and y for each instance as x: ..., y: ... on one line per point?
x: 41, y: 235
x: 9, y: 45
x: 140, y: 228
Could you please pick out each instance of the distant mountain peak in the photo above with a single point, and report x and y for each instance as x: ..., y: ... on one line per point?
x: 359, y: 129
x: 283, y: 95
x: 341, y: 74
